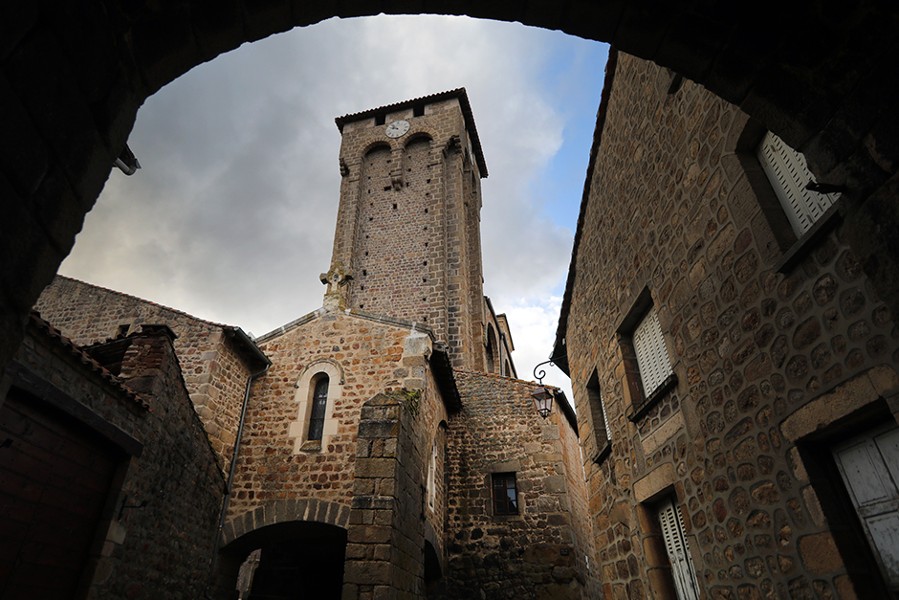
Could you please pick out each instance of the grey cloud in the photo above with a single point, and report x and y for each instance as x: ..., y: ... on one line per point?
x: 232, y: 217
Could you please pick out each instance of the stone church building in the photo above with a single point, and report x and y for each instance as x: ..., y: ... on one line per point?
x: 378, y: 447
x: 733, y: 368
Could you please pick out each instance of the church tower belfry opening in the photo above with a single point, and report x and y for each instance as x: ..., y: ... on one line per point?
x: 407, y: 243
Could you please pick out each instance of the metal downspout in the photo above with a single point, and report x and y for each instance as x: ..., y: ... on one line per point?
x: 231, y: 472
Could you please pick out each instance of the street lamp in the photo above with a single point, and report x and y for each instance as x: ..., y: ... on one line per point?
x: 543, y: 395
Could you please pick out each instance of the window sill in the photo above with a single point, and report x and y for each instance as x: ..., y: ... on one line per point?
x: 513, y: 517
x: 603, y: 453
x: 802, y: 247
x: 638, y: 411
x: 311, y: 446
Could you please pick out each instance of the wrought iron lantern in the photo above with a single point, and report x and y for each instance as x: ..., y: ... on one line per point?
x: 543, y: 395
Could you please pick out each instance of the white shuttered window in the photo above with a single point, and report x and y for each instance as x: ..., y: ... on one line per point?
x: 788, y: 173
x: 652, y: 355
x: 678, y: 553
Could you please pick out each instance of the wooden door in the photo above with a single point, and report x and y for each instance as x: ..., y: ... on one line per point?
x: 55, y: 475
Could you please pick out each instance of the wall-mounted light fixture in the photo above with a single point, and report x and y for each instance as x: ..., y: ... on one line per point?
x: 543, y: 396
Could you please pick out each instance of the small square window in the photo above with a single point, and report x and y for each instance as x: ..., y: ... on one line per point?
x: 505, y: 494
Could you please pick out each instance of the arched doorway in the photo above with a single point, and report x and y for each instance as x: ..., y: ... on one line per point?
x: 289, y: 560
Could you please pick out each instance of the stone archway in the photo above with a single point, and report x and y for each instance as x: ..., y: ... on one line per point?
x: 308, y: 510
x: 817, y: 74
x: 284, y: 546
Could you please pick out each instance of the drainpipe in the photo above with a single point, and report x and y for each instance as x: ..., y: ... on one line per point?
x: 127, y: 162
x: 233, y: 467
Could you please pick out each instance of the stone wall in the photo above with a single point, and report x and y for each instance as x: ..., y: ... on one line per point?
x: 214, y: 370
x: 536, y: 553
x: 753, y: 338
x: 385, y: 540
x: 161, y: 523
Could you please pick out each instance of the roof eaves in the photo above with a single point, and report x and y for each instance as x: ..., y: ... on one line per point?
x: 446, y: 379
x: 565, y: 406
x: 458, y: 93
x: 248, y: 345
x: 85, y: 359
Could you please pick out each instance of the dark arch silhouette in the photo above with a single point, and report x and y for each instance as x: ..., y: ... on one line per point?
x: 302, y: 543
x: 819, y: 74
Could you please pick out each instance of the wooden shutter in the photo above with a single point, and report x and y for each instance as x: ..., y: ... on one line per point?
x: 788, y: 173
x: 652, y: 355
x: 869, y: 465
x: 678, y: 553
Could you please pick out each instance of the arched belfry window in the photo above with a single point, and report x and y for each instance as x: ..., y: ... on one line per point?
x: 490, y: 349
x: 319, y: 404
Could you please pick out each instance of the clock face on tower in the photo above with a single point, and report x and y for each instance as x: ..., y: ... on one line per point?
x: 397, y: 129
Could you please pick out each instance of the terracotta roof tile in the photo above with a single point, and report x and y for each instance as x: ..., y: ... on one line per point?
x: 85, y: 359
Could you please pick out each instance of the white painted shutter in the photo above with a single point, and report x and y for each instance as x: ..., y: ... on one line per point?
x: 432, y: 476
x: 652, y: 355
x: 788, y: 173
x: 869, y: 465
x: 605, y: 419
x: 678, y: 553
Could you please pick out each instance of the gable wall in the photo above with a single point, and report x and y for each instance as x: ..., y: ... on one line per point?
x: 215, y: 375
x: 270, y: 466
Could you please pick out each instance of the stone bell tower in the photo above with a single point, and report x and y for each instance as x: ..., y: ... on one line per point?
x: 408, y: 242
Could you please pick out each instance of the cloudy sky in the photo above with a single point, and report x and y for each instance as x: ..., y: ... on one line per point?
x: 232, y: 216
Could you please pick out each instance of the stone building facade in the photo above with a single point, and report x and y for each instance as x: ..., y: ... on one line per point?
x: 730, y: 374
x: 111, y: 488
x: 362, y: 447
x: 542, y: 550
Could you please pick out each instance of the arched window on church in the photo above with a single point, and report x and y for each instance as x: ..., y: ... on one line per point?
x: 319, y: 403
x: 490, y: 349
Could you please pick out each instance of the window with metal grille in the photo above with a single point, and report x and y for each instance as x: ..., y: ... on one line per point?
x: 319, y: 404
x: 788, y: 173
x: 652, y: 355
x: 672, y: 525
x: 505, y: 494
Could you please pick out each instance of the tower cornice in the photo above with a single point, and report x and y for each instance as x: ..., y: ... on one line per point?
x: 459, y: 93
